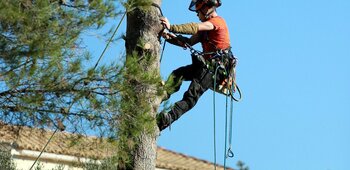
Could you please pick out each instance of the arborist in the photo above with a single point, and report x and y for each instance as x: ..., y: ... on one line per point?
x: 213, y: 34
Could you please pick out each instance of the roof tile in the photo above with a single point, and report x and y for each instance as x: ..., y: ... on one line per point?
x: 91, y: 147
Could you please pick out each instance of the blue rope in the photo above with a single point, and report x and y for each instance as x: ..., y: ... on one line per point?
x: 214, y: 114
x: 228, y: 126
x: 225, y: 133
x: 229, y: 151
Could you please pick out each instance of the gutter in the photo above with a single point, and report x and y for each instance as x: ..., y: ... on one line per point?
x: 50, y: 157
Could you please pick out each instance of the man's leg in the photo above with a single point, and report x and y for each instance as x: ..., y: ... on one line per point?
x: 176, y: 78
x: 200, y: 83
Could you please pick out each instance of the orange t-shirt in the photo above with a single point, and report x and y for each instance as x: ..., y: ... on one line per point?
x: 215, y: 39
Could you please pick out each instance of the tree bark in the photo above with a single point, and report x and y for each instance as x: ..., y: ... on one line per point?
x: 142, y: 38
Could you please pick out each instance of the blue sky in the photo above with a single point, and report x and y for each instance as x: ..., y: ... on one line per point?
x: 294, y: 72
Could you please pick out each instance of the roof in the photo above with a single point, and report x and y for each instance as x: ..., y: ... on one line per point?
x: 26, y: 138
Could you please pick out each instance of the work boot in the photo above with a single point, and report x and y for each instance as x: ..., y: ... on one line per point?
x: 164, y: 120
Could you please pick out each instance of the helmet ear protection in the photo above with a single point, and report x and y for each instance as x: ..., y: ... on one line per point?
x: 215, y: 3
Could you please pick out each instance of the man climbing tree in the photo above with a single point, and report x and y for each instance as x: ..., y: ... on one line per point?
x: 213, y: 34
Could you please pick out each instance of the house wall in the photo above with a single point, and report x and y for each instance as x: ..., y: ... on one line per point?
x: 23, y: 164
x: 24, y: 159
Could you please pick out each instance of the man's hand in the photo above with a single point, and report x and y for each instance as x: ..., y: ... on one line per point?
x: 164, y: 21
x: 166, y: 35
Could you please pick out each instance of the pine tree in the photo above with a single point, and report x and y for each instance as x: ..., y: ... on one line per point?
x: 242, y: 166
x: 44, y: 77
x: 5, y: 160
x: 45, y: 80
x: 137, y: 130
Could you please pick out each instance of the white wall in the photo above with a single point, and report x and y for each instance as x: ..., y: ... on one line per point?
x: 24, y: 159
x: 22, y: 164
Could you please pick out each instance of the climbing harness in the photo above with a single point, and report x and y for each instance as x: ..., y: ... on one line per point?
x: 223, y: 62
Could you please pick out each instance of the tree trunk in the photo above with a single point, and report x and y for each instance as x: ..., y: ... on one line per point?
x: 142, y: 39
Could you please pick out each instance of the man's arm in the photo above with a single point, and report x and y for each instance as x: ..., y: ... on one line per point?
x: 189, y: 28
x: 205, y: 26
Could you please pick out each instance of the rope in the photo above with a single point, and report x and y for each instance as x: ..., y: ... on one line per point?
x: 157, y: 6
x: 110, y: 40
x: 228, y: 121
x: 161, y: 14
x: 161, y: 55
x: 239, y: 92
x: 225, y: 131
x: 47, y: 143
x: 229, y: 151
x: 214, y: 116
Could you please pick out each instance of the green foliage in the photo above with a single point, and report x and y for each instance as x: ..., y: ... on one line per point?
x: 135, y: 117
x: 242, y: 166
x: 106, y: 164
x: 39, y: 166
x: 6, y: 161
x: 59, y: 167
x: 44, y: 78
x: 130, y: 5
x: 43, y: 75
